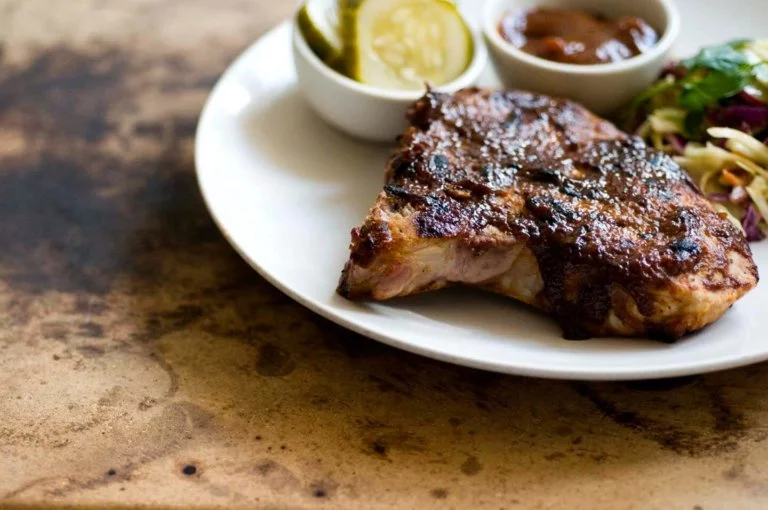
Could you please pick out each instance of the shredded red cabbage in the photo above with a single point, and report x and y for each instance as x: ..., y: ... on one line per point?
x: 750, y: 99
x: 677, y: 142
x: 751, y: 224
x: 748, y: 118
x: 673, y: 68
x: 720, y: 198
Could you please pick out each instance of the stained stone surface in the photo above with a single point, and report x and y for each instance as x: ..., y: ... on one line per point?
x: 143, y: 364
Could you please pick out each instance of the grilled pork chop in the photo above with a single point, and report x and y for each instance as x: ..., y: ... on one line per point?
x: 538, y: 199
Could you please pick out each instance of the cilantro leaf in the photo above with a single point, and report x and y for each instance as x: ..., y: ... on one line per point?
x: 725, y: 58
x: 693, y: 125
x: 698, y: 94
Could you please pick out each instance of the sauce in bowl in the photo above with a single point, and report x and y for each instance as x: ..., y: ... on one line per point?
x: 577, y: 37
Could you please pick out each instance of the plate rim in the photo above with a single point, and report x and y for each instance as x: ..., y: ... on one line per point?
x: 558, y: 372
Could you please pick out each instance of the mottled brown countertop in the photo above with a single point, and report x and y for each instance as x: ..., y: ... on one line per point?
x: 143, y: 364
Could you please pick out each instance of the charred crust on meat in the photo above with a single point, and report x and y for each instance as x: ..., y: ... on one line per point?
x: 685, y: 248
x: 367, y: 241
x: 545, y: 175
x: 439, y: 164
x: 344, y: 289
x: 399, y: 192
x: 421, y: 113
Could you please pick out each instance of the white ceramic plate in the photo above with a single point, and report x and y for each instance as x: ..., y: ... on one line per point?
x: 286, y: 190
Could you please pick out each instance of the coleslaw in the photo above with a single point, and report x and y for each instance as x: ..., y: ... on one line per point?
x: 711, y: 113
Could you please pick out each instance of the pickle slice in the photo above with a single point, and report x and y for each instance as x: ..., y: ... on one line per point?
x: 404, y: 44
x: 319, y: 23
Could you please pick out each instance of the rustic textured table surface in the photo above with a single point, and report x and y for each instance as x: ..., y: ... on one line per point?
x: 143, y: 364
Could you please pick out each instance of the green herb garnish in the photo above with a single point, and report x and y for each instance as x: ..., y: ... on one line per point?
x: 693, y: 125
x: 701, y: 82
x: 716, y: 73
x: 699, y: 93
x: 726, y: 58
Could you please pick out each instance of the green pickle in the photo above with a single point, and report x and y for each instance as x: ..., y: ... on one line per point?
x: 318, y: 22
x: 404, y: 44
x: 390, y: 44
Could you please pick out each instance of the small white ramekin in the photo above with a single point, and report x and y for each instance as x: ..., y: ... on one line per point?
x: 603, y: 88
x: 360, y: 110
